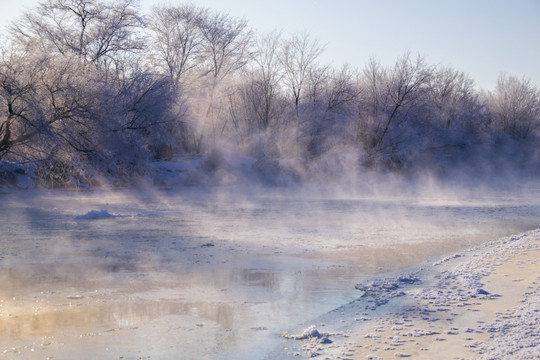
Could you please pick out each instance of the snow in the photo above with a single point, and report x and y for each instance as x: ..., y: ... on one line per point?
x: 435, y: 306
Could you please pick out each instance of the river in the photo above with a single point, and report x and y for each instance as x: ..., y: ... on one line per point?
x: 214, y: 273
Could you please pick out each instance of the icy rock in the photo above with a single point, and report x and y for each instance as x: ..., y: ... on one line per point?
x: 481, y: 292
x: 309, y: 333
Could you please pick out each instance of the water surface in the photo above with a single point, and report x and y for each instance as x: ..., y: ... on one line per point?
x: 212, y: 274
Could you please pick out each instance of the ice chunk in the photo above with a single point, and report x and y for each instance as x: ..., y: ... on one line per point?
x: 309, y: 333
x: 95, y: 214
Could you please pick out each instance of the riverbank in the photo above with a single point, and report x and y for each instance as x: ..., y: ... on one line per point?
x: 483, y: 302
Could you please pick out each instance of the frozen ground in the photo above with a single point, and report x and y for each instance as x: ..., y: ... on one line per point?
x: 215, y: 273
x: 481, y: 303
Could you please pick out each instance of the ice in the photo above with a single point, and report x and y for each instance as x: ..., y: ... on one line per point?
x: 308, y: 333
x: 95, y: 215
x: 105, y: 214
x: 383, y: 289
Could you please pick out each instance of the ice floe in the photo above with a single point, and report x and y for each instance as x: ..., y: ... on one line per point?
x: 96, y: 214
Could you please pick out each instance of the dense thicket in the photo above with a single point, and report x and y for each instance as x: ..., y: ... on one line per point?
x: 93, y: 88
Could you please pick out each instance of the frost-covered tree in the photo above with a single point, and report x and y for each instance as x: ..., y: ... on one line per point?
x: 75, y: 84
x: 93, y: 84
x: 260, y: 93
x: 391, y: 105
x: 43, y: 103
x: 298, y: 57
x: 96, y: 31
x: 21, y: 119
x: 226, y: 43
x: 454, y: 98
x: 336, y: 89
x: 176, y: 41
x: 225, y: 51
x: 515, y: 107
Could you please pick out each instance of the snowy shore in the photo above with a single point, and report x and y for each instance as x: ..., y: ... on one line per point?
x: 483, y: 303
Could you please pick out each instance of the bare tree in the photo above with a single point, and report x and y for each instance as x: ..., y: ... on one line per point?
x: 390, y: 97
x: 454, y: 99
x: 176, y: 39
x: 299, y: 55
x: 226, y: 44
x: 225, y: 49
x: 405, y: 87
x: 92, y: 29
x: 16, y: 92
x: 39, y: 98
x: 317, y: 80
x: 342, y: 89
x: 261, y: 91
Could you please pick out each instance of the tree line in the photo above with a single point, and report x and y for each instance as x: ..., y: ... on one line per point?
x: 95, y: 87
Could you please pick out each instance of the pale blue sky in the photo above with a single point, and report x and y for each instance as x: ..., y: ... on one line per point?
x: 484, y: 38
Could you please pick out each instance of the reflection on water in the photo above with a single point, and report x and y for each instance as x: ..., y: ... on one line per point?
x: 224, y: 273
x: 38, y: 319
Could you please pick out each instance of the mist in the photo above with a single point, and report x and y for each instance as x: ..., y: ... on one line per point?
x: 87, y: 271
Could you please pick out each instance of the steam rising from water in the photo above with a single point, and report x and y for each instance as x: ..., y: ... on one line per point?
x: 232, y: 266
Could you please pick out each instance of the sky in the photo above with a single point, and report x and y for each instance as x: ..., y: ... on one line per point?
x: 483, y: 38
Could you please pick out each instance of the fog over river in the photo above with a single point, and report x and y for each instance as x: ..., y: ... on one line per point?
x: 214, y: 273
